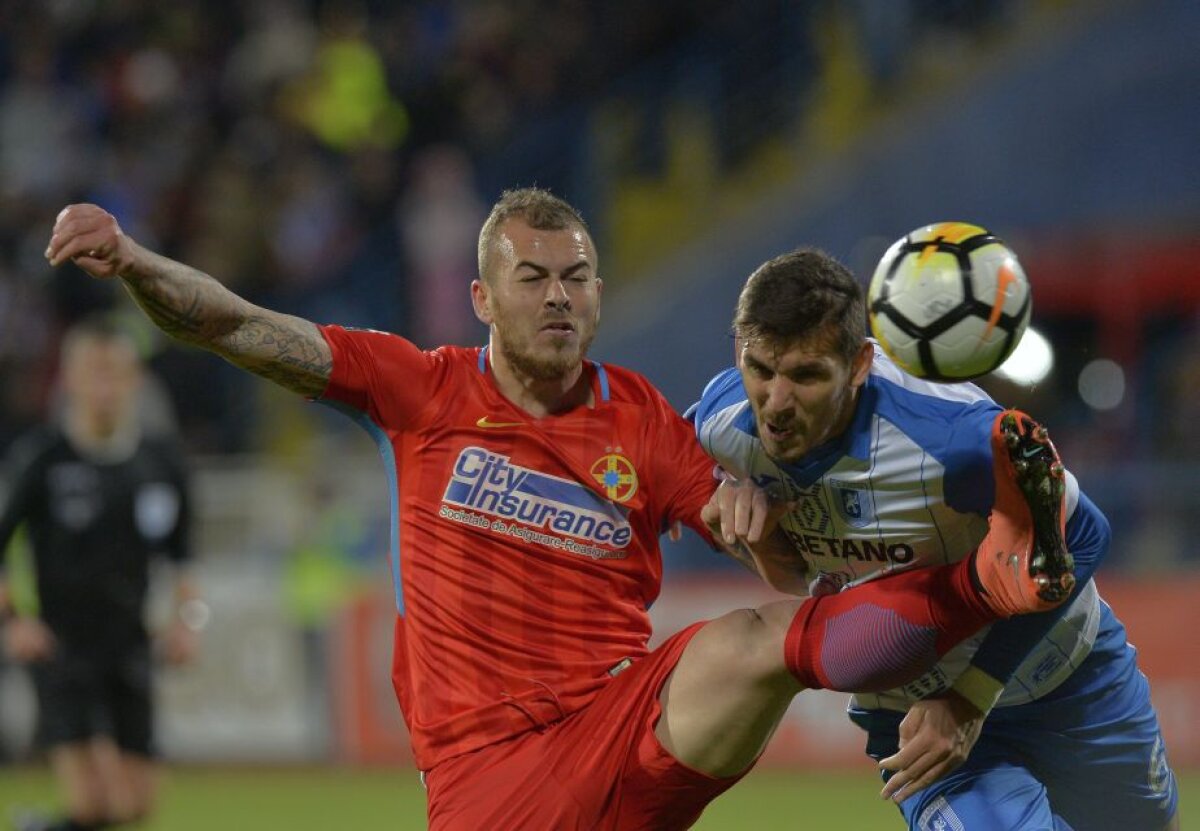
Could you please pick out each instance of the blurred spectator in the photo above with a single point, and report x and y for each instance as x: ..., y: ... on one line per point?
x: 327, y: 158
x: 439, y: 217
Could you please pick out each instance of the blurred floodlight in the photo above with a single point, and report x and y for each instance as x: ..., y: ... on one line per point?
x: 1102, y: 384
x: 1030, y: 362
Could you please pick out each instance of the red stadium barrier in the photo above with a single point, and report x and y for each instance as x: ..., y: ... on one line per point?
x: 368, y: 727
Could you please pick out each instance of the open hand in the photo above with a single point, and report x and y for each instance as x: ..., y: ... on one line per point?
x: 936, y: 736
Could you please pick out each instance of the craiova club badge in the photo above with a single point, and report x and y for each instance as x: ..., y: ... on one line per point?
x: 616, y: 475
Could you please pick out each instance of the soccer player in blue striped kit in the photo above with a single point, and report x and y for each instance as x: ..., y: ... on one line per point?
x: 886, y: 472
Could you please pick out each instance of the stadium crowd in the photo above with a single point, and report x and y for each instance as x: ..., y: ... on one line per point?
x: 334, y: 158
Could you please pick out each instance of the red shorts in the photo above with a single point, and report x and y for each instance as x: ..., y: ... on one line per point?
x: 599, y: 768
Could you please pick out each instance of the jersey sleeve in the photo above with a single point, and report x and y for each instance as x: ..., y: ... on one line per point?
x: 380, y: 374
x: 724, y: 421
x: 969, y: 486
x: 724, y: 389
x: 684, y: 468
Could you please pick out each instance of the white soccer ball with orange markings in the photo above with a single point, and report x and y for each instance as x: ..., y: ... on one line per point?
x: 949, y: 302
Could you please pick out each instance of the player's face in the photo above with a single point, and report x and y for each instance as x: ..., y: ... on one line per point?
x: 541, y: 299
x: 803, y: 393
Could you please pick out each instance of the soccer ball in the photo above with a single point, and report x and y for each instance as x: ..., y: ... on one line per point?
x: 949, y: 302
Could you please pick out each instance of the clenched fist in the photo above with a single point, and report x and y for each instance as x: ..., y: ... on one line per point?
x: 90, y: 237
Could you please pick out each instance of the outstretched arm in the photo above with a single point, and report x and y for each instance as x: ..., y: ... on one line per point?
x: 193, y: 307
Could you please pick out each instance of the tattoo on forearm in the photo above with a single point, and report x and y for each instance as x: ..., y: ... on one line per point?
x: 181, y: 321
x: 185, y: 303
x: 282, y: 353
x: 193, y: 307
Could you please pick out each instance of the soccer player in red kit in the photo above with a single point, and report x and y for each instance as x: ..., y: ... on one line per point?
x: 529, y: 488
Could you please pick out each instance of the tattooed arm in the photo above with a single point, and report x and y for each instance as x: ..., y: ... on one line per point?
x: 193, y: 307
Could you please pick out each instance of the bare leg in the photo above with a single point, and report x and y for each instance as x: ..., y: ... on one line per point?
x: 128, y: 781
x: 143, y: 775
x: 729, y: 690
x: 81, y: 784
x: 738, y: 674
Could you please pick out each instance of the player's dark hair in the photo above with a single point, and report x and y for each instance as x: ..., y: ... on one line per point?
x: 799, y: 295
x: 537, y: 207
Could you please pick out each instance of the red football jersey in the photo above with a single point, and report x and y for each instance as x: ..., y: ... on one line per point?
x: 525, y: 550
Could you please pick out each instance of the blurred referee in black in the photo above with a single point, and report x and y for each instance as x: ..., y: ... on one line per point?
x: 98, y: 500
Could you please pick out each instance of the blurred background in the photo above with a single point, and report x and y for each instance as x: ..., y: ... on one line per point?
x: 335, y: 159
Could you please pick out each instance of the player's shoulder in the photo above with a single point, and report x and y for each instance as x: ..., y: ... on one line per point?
x: 377, y: 341
x: 445, y: 368
x: 361, y: 334
x: 723, y: 394
x: 924, y: 408
x: 623, y: 385
x: 459, y: 358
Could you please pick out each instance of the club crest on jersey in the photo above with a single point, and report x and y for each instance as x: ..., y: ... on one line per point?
x: 616, y: 475
x: 1160, y: 771
x: 939, y: 816
x: 853, y: 502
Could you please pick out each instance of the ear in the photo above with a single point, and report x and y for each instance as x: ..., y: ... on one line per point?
x: 737, y: 351
x: 861, y: 367
x: 479, y: 301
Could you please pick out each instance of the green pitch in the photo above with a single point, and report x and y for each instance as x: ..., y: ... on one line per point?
x: 317, y: 799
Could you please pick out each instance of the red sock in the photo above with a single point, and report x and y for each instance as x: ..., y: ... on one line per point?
x: 886, y: 632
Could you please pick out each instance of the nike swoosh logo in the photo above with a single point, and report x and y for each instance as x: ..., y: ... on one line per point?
x: 1014, y: 560
x: 1030, y: 452
x: 1004, y: 278
x: 485, y: 423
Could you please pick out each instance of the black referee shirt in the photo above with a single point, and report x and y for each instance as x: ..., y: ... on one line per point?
x: 94, y: 525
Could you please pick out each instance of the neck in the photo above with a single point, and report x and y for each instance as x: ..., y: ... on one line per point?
x: 541, y: 396
x: 100, y: 437
x: 846, y: 417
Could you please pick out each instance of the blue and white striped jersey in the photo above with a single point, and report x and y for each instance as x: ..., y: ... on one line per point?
x: 910, y: 484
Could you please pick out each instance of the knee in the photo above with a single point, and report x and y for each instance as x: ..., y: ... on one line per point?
x: 753, y: 643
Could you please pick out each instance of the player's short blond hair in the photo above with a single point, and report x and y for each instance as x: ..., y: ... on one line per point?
x: 538, y: 208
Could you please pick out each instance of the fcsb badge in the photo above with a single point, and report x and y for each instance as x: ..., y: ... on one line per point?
x: 616, y: 475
